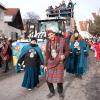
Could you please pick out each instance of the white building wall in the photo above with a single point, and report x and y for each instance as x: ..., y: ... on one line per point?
x: 1, y: 20
x: 9, y: 29
x: 5, y: 28
x: 1, y: 15
x: 1, y: 27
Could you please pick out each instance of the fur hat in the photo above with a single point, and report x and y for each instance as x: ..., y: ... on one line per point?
x: 49, y: 31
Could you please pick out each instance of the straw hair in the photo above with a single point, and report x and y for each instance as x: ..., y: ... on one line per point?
x: 72, y: 39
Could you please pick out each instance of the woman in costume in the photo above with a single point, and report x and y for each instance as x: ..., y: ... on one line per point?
x: 77, y: 61
x: 32, y: 56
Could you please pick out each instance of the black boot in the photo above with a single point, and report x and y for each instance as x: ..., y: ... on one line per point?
x: 50, y: 95
x: 61, y: 96
x: 78, y: 76
x: 6, y: 67
x: 51, y: 88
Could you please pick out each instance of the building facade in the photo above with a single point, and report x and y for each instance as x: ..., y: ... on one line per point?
x: 10, y: 22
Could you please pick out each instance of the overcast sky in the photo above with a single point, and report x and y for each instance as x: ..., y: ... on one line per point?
x: 83, y: 8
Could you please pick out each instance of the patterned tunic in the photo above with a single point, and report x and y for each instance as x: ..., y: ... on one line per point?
x: 5, y: 51
x: 55, y: 65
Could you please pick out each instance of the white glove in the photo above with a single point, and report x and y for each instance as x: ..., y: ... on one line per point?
x: 45, y: 69
x: 19, y: 64
x: 23, y: 66
x: 42, y: 66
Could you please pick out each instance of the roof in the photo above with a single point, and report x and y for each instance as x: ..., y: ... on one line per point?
x: 13, y: 17
x: 11, y: 11
x: 2, y: 7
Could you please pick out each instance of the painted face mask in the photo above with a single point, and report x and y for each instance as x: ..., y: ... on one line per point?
x: 76, y: 36
x: 53, y: 53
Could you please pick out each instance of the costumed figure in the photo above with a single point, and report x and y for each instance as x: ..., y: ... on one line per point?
x: 56, y: 51
x: 67, y: 36
x: 97, y: 50
x: 71, y: 8
x: 32, y: 56
x: 1, y: 45
x: 5, y: 54
x: 77, y: 60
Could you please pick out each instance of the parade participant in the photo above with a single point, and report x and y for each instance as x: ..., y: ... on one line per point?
x: 56, y: 51
x: 70, y: 8
x: 97, y: 50
x: 77, y: 63
x: 1, y: 45
x: 5, y: 54
x: 67, y: 36
x: 32, y: 56
x: 0, y: 53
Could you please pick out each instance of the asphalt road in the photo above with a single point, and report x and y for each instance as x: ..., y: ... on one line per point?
x: 74, y: 89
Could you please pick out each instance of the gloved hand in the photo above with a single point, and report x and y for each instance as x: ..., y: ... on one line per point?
x: 17, y: 68
x: 71, y: 54
x: 78, y: 52
x: 42, y: 66
x: 45, y: 69
x: 19, y: 64
x: 85, y: 52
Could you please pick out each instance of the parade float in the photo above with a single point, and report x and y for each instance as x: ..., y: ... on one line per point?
x: 60, y: 18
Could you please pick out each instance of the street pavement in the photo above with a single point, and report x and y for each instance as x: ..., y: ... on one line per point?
x: 87, y: 88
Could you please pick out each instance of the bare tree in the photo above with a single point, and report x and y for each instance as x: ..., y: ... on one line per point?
x: 30, y: 19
